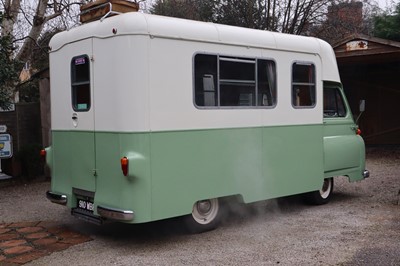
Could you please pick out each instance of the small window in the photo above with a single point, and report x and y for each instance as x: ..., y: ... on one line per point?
x: 333, y: 103
x: 223, y: 81
x: 80, y: 83
x: 303, y: 85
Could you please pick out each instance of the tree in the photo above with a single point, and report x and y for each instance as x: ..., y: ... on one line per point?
x: 25, y: 23
x: 21, y: 27
x: 189, y: 9
x: 249, y: 14
x: 387, y: 25
x: 289, y: 16
x: 29, y: 90
x: 8, y: 72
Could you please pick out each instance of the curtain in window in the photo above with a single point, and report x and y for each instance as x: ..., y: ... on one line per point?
x: 271, y: 81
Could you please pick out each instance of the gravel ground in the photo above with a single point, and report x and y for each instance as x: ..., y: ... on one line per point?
x: 360, y: 226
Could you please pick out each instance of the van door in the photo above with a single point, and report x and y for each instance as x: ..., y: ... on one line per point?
x: 82, y: 136
x: 342, y: 147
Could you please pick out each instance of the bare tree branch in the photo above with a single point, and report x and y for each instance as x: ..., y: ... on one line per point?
x: 11, y: 11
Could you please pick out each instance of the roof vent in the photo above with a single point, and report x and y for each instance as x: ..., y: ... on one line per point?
x: 101, y: 9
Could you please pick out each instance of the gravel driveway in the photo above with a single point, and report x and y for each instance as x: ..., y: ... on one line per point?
x: 360, y: 226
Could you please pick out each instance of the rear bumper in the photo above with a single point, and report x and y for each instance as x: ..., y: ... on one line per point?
x: 115, y: 214
x: 56, y: 198
x: 105, y: 212
x: 365, y: 173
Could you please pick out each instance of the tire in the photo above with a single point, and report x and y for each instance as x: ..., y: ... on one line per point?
x: 321, y: 196
x: 206, y: 215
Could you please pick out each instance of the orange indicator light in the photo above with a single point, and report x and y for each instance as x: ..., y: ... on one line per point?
x: 124, y: 165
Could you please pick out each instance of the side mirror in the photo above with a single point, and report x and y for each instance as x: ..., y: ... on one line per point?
x: 362, y: 109
x: 362, y: 106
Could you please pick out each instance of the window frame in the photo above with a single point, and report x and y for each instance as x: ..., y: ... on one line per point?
x: 75, y: 84
x: 314, y: 84
x: 239, y: 59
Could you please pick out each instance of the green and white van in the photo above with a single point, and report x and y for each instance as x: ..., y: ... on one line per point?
x: 156, y: 117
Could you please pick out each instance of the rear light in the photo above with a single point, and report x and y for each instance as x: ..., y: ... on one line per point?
x: 43, y: 154
x: 125, y: 165
x: 358, y: 131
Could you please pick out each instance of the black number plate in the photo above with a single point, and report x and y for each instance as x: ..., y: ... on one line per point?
x: 85, y: 205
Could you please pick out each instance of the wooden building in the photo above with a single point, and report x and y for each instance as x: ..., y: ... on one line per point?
x: 370, y: 71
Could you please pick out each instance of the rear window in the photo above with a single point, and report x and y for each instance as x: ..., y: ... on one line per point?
x: 80, y: 83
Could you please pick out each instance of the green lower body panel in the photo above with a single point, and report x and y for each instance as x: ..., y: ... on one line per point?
x: 344, y: 151
x: 85, y: 162
x: 170, y: 171
x: 256, y: 163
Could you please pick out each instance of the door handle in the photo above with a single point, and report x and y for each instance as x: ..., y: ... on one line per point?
x: 74, y: 119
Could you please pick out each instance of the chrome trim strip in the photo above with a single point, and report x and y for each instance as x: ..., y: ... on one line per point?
x: 56, y: 198
x: 115, y: 214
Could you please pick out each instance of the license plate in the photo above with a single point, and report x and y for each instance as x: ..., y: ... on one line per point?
x: 85, y: 205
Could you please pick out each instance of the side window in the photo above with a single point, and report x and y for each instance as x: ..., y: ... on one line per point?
x: 205, y: 80
x: 80, y: 83
x: 333, y: 103
x: 222, y: 81
x: 303, y: 85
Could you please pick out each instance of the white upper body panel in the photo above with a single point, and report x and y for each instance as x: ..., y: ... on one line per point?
x: 136, y: 23
x: 143, y: 73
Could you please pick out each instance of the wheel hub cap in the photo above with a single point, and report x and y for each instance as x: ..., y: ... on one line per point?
x: 204, y: 206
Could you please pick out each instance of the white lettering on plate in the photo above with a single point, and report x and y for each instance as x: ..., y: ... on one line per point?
x: 86, y: 205
x: 82, y: 204
x: 90, y: 206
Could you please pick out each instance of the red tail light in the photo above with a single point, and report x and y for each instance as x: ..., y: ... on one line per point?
x: 358, y: 132
x: 124, y: 165
x: 43, y: 154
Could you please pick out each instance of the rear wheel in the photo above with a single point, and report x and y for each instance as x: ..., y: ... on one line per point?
x: 206, y: 215
x: 321, y: 196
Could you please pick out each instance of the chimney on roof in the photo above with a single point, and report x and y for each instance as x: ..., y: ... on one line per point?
x: 348, y: 16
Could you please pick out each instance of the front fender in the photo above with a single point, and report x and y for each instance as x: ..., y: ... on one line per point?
x: 344, y: 155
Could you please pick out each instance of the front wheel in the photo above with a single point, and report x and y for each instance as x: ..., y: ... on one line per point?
x: 321, y: 196
x: 206, y: 215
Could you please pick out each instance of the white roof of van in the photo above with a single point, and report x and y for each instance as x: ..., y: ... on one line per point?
x: 136, y: 23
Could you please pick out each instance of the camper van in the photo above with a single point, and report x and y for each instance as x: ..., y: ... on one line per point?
x: 156, y: 117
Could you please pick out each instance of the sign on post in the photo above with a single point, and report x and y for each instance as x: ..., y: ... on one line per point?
x: 5, y: 146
